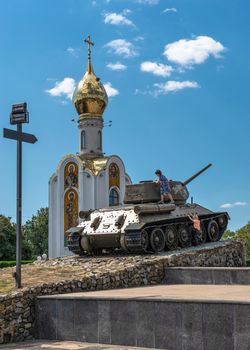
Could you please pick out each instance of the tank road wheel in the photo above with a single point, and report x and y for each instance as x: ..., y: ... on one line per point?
x: 185, y: 236
x: 157, y: 240
x: 222, y: 221
x: 171, y: 237
x: 213, y: 231
x: 144, y: 240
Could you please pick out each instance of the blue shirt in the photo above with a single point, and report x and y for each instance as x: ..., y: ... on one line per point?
x: 164, y: 185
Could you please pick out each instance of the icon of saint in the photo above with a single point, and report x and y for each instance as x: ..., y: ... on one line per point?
x: 71, y: 210
x: 71, y: 178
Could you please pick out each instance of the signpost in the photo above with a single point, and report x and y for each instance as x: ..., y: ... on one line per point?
x: 19, y: 115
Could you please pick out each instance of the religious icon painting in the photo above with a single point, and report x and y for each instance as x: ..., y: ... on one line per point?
x: 114, y: 175
x: 70, y: 210
x: 71, y: 175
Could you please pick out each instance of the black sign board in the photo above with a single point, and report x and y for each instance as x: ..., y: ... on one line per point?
x: 19, y: 136
x: 19, y: 114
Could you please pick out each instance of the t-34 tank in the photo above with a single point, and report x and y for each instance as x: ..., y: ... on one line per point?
x: 142, y: 225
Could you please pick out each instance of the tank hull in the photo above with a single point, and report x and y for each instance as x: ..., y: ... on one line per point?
x: 145, y: 228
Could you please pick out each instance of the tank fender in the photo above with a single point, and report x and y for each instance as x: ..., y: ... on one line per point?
x: 135, y: 226
x: 77, y: 229
x: 153, y: 208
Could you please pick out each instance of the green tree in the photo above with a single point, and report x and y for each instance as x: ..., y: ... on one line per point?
x: 8, y: 241
x: 244, y: 233
x: 36, y: 232
x: 7, y: 238
x: 228, y: 234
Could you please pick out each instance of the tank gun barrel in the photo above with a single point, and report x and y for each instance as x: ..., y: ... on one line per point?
x: 196, y: 174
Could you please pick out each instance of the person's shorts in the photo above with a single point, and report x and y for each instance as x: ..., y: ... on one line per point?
x: 165, y: 190
x: 197, y: 236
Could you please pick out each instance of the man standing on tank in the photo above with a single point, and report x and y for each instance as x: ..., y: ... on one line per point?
x: 165, y: 190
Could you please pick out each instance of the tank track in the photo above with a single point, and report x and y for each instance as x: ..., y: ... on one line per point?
x: 74, y: 243
x: 133, y: 242
x: 133, y: 239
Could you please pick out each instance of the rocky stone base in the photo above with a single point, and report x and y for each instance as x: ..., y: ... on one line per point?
x: 17, y: 309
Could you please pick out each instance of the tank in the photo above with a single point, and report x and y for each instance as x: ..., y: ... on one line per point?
x: 142, y: 225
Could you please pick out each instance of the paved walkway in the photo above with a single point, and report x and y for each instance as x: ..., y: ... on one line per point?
x: 191, y: 293
x: 64, y: 345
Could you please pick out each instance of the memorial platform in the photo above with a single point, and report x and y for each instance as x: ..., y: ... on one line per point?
x: 82, y: 274
x: 174, y: 317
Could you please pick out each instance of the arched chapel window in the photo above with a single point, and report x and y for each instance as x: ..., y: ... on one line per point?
x: 83, y: 139
x: 99, y: 140
x: 113, y: 197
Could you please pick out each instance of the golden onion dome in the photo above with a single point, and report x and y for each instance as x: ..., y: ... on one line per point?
x: 90, y: 97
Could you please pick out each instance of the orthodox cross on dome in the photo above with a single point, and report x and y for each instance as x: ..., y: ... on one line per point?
x: 87, y: 41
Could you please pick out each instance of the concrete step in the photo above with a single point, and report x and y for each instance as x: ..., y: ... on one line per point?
x: 64, y: 345
x: 207, y: 275
x: 174, y: 317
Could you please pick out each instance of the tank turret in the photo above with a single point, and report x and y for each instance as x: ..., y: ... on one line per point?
x: 149, y: 191
x: 179, y: 189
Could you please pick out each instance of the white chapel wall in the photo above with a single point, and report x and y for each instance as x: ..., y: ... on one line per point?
x: 53, y: 212
x: 86, y: 189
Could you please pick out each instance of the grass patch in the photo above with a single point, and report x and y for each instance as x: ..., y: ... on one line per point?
x: 9, y: 263
x: 248, y: 263
x: 6, y: 286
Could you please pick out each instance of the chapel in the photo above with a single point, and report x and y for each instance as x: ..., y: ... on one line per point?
x: 88, y: 179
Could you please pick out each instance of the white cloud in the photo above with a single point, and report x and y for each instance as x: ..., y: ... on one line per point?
x: 220, y: 67
x: 167, y: 87
x: 173, y: 85
x: 156, y: 68
x: 232, y: 205
x: 139, y: 38
x: 51, y: 79
x: 116, y: 66
x: 240, y: 204
x: 171, y: 9
x: 118, y: 19
x: 226, y: 205
x: 126, y: 11
x: 121, y: 47
x: 73, y: 52
x: 141, y: 92
x: 64, y: 88
x: 148, y: 2
x: 111, y: 91
x: 194, y: 51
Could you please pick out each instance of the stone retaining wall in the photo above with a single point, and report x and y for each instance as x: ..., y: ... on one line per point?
x: 17, y: 310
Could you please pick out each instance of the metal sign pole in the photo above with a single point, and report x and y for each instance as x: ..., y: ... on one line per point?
x: 19, y: 209
x: 18, y: 116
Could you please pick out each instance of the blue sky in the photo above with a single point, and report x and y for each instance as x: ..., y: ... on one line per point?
x: 177, y: 72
